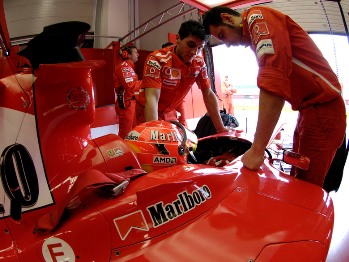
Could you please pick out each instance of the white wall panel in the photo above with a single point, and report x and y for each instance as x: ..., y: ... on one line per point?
x: 28, y: 17
x: 315, y: 16
x: 115, y: 18
x: 112, y: 19
x: 151, y: 8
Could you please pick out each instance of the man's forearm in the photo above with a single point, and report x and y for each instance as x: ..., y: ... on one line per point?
x: 211, y: 104
x: 270, y: 107
x: 150, y: 113
x: 151, y: 104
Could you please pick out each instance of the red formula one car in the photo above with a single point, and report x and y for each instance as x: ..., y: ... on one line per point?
x: 158, y: 195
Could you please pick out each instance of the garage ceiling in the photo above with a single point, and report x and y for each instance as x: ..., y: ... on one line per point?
x: 315, y: 16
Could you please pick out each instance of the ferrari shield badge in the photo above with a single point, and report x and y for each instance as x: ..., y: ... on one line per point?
x: 78, y: 98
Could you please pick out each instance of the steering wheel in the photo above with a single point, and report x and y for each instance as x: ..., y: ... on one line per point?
x: 268, y: 153
x: 181, y: 148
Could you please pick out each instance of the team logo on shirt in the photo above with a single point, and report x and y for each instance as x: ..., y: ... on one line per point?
x: 198, y: 59
x: 253, y: 15
x: 265, y: 46
x: 128, y: 79
x: 172, y: 73
x: 152, y: 69
x: 151, y: 72
x: 194, y: 71
x: 170, y: 82
x: 204, y: 72
x: 165, y: 55
x: 258, y: 30
x: 127, y: 74
x: 154, y: 64
x: 164, y: 58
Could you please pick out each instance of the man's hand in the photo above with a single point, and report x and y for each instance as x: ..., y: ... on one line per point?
x: 270, y: 106
x: 223, y: 129
x: 211, y: 104
x: 252, y: 160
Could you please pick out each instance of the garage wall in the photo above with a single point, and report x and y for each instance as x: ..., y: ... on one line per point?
x: 28, y: 17
x: 109, y: 19
x: 115, y: 18
x: 158, y: 36
x: 320, y: 16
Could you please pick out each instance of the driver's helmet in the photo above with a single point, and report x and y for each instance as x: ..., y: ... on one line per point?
x: 160, y: 144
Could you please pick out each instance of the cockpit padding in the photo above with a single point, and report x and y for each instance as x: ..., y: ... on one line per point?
x: 217, y: 146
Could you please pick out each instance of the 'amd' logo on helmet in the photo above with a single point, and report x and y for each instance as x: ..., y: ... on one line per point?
x: 164, y: 160
x: 157, y: 135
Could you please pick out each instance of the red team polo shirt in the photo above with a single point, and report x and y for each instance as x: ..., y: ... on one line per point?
x: 164, y: 70
x: 288, y: 60
x: 126, y: 77
x: 291, y: 66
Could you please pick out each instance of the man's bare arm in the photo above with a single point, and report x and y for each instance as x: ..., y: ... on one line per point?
x: 211, y: 104
x: 270, y: 107
x: 152, y: 96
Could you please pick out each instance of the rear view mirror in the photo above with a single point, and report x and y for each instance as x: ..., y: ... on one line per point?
x: 296, y: 159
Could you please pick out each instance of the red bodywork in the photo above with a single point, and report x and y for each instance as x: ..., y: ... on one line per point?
x: 57, y: 185
x: 186, y: 212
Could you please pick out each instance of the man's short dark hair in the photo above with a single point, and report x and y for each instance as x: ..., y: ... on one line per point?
x: 213, y: 17
x: 167, y: 44
x: 194, y: 28
x: 129, y: 48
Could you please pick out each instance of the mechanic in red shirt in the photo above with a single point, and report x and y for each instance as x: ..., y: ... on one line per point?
x: 169, y: 74
x: 227, y: 95
x: 126, y: 84
x: 291, y: 68
x: 180, y: 108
